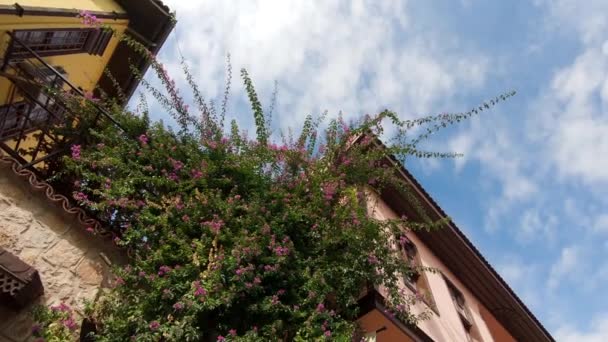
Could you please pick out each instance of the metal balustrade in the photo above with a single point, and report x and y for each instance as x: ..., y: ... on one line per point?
x: 35, y: 105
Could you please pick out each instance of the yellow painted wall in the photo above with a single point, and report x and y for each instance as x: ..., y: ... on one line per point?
x: 91, y: 5
x: 83, y: 70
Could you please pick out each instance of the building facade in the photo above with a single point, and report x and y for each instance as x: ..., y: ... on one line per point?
x: 46, y: 256
x: 467, y: 299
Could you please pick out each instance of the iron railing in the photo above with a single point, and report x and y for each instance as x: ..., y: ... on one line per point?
x: 33, y: 108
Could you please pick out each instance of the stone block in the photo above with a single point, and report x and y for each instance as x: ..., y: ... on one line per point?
x: 8, y: 241
x: 14, y: 220
x: 90, y: 272
x: 63, y: 254
x: 30, y: 255
x: 37, y: 236
x: 60, y: 284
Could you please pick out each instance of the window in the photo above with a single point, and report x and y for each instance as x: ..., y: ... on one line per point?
x: 61, y: 42
x: 463, y: 311
x: 415, y: 280
x: 409, y: 251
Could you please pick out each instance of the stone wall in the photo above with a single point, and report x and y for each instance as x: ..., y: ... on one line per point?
x: 73, y: 264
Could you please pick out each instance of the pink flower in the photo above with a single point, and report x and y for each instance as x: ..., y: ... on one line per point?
x: 372, y: 260
x: 61, y: 307
x: 196, y: 174
x: 89, y: 19
x: 320, y: 307
x: 154, y: 325
x: 75, y: 152
x: 172, y: 176
x: 281, y: 251
x: 327, y: 333
x: 199, y: 291
x: 70, y: 324
x: 329, y: 190
x: 90, y: 230
x: 214, y: 225
x: 143, y: 139
x: 163, y: 270
x: 177, y: 165
x: 232, y: 332
x: 178, y: 306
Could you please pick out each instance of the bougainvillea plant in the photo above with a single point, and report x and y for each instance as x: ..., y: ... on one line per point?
x: 235, y: 237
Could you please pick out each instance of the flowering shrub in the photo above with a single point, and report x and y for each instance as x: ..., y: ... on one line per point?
x: 57, y: 324
x: 236, y: 238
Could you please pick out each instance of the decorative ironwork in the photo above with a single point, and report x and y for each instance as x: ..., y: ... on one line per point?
x: 19, y: 282
x: 33, y: 108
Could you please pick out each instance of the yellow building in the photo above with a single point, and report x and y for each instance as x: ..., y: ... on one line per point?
x: 45, y: 43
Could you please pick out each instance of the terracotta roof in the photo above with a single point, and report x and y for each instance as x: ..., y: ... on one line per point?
x: 52, y: 196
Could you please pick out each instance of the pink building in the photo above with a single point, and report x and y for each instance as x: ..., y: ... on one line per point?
x: 467, y: 298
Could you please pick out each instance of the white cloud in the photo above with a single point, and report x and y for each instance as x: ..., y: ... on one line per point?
x: 523, y: 276
x: 598, y: 331
x: 537, y: 226
x: 568, y: 267
x: 501, y: 161
x: 572, y: 114
x: 589, y: 22
x: 359, y: 57
x: 601, y: 224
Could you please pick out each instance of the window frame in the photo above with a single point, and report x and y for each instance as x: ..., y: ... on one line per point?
x: 413, y: 281
x: 67, y: 41
x: 462, y: 309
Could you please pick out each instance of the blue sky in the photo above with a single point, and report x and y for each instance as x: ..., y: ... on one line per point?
x: 530, y: 189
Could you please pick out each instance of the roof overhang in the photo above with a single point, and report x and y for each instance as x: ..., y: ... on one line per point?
x: 463, y: 259
x: 150, y: 22
x: 373, y: 304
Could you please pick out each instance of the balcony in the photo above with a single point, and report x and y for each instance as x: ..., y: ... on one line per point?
x: 34, y: 94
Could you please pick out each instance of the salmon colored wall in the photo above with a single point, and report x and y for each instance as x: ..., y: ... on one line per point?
x: 446, y: 325
x: 375, y: 320
x: 91, y: 5
x: 498, y: 331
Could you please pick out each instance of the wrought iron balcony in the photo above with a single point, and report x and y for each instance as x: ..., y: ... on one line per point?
x: 33, y: 108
